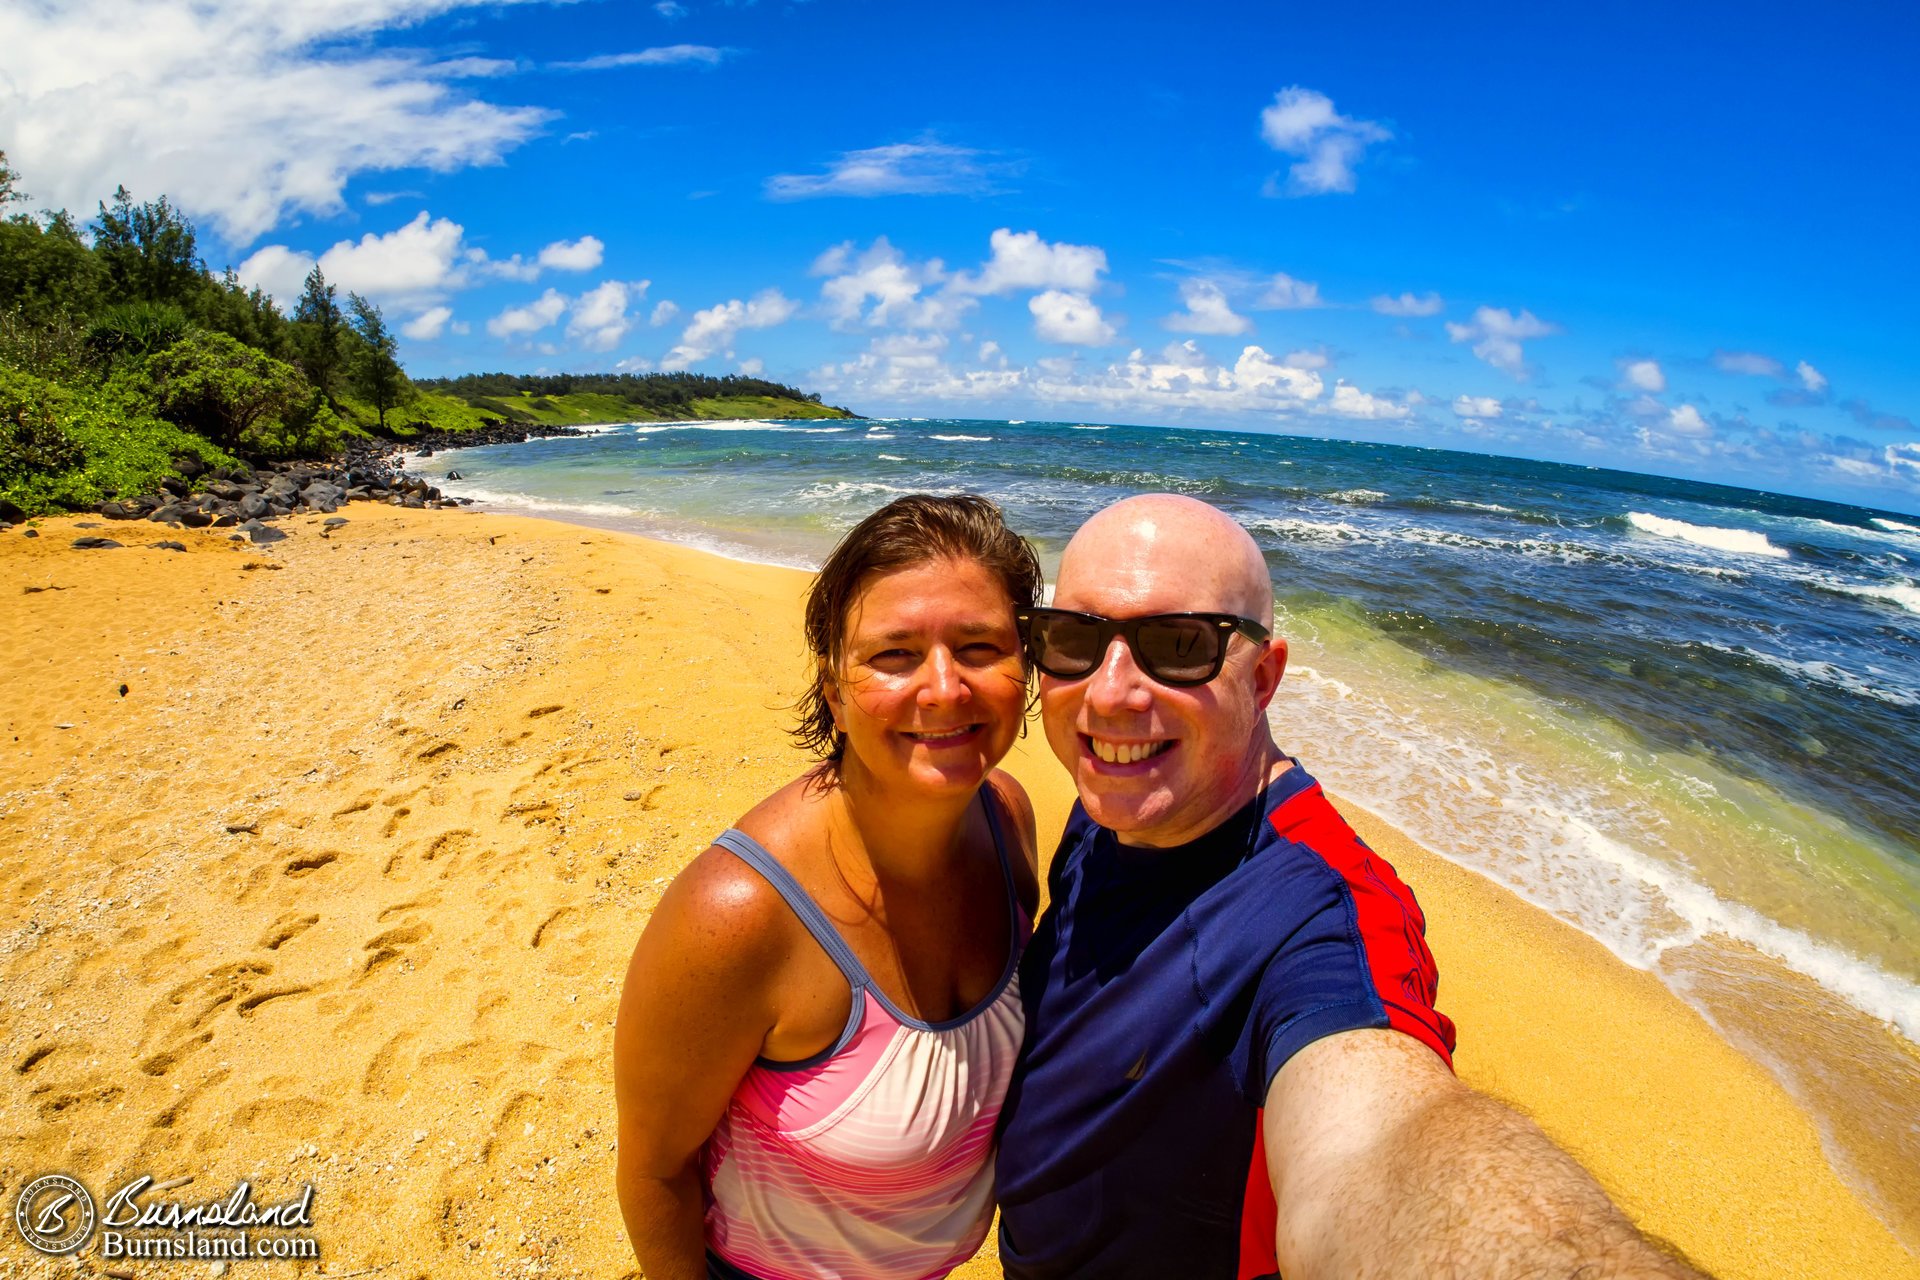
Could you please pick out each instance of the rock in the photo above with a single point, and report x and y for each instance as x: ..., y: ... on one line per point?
x: 188, y: 465
x: 194, y: 518
x: 335, y: 522
x: 265, y: 533
x: 453, y: 475
x: 176, y: 486
x: 226, y: 490
x: 168, y: 545
x: 414, y: 501
x: 252, y: 506
x: 163, y: 515
x: 118, y: 511
x: 225, y: 519
x: 91, y: 543
x: 11, y: 513
x: 30, y: 533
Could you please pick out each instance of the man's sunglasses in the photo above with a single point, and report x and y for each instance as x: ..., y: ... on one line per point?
x: 1173, y: 648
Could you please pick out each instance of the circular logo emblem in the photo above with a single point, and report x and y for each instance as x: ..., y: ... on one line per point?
x: 54, y: 1214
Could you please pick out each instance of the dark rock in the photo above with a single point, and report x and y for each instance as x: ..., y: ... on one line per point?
x: 226, y: 519
x: 87, y: 524
x: 336, y: 521
x: 195, y: 518
x: 453, y: 475
x: 166, y: 514
x: 11, y: 513
x: 265, y: 533
x: 118, y: 511
x: 90, y: 544
x: 30, y: 533
x: 188, y: 465
x: 176, y: 486
x: 252, y: 506
x: 414, y: 501
x: 225, y: 490
x: 169, y: 545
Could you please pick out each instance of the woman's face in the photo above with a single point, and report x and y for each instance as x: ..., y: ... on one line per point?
x: 930, y: 687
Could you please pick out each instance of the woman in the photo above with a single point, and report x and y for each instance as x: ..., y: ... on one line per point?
x: 820, y: 1020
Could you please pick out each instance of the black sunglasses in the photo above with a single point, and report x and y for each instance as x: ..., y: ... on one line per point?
x: 1173, y: 648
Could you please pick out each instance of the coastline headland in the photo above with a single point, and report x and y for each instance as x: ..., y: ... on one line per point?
x: 325, y: 859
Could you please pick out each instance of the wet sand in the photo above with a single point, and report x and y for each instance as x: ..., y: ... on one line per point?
x: 341, y: 888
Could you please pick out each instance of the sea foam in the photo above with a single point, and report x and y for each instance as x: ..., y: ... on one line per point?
x: 1741, y: 541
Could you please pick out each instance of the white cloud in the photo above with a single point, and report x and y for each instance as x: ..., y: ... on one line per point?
x: 1496, y: 335
x: 1476, y: 407
x: 428, y: 325
x: 377, y: 198
x: 1022, y: 260
x: 583, y: 254
x: 664, y: 56
x: 1207, y: 311
x: 1407, y: 304
x: 1811, y: 378
x: 598, y: 319
x: 900, y: 169
x: 753, y: 367
x: 1303, y: 123
x: 536, y: 315
x: 1686, y: 420
x: 1072, y: 318
x: 1749, y: 363
x: 1284, y: 293
x: 277, y: 271
x: 663, y: 311
x: 1643, y: 375
x: 670, y: 10
x: 903, y: 292
x: 243, y: 113
x: 1350, y: 401
x: 1904, y: 455
x: 713, y: 329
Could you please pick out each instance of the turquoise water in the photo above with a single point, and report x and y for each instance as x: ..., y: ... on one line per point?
x: 1680, y: 716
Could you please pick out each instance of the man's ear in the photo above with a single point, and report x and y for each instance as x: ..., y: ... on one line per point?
x: 830, y: 693
x: 1267, y: 671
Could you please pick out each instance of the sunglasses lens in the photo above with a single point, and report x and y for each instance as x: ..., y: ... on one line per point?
x: 1179, y: 650
x: 1064, y: 645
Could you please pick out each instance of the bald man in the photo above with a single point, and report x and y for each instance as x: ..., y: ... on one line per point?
x: 1233, y: 1066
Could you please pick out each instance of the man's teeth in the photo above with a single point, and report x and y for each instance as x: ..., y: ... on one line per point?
x: 945, y: 735
x: 1125, y: 752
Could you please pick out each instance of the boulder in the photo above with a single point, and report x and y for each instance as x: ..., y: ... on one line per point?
x: 165, y: 514
x: 252, y: 506
x: 188, y: 465
x: 264, y: 533
x: 118, y: 511
x: 194, y: 518
x: 92, y: 543
x: 168, y: 545
x: 11, y: 513
x: 176, y: 486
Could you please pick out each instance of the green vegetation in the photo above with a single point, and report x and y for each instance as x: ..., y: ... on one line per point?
x: 121, y: 356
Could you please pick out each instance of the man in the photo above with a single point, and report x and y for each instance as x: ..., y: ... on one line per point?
x: 1233, y: 1066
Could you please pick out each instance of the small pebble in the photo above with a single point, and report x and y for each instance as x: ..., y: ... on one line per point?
x: 419, y: 1135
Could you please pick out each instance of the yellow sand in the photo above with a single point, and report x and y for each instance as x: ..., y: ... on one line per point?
x: 341, y: 890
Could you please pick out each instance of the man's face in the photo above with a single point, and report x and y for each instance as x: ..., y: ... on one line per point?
x: 1205, y: 750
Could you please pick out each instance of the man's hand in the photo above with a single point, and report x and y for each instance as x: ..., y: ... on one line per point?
x: 1383, y: 1164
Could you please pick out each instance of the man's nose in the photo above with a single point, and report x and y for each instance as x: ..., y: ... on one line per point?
x: 1117, y: 685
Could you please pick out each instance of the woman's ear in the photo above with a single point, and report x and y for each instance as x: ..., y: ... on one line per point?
x: 830, y: 694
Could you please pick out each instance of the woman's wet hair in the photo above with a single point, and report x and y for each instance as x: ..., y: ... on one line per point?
x: 906, y: 532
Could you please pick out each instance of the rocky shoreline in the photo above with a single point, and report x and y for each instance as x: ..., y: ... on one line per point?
x: 247, y: 498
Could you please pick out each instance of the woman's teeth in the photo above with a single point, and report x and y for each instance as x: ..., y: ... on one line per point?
x: 945, y: 735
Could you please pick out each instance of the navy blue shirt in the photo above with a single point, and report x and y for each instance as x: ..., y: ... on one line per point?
x: 1164, y: 988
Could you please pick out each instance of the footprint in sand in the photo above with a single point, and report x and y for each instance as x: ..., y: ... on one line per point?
x: 286, y: 929
x: 396, y: 944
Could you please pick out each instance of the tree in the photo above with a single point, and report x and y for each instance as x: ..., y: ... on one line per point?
x: 225, y: 390
x: 46, y: 269
x: 9, y: 191
x: 149, y: 251
x: 376, y: 370
x: 319, y: 332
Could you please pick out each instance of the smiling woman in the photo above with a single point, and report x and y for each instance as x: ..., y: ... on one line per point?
x: 820, y: 1022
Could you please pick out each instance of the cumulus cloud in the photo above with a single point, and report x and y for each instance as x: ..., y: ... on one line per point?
x: 1643, y: 375
x: 1686, y: 420
x: 1303, y: 123
x: 583, y: 254
x: 1749, y: 363
x: 1022, y: 261
x: 1476, y: 407
x: 598, y: 319
x: 1070, y: 318
x: 1811, y: 378
x: 1284, y: 293
x: 293, y: 102
x: 517, y: 322
x: 903, y: 293
x: 901, y: 169
x: 1407, y: 304
x: 1496, y: 335
x: 1904, y: 457
x: 428, y: 325
x: 1207, y: 311
x: 1350, y: 401
x: 663, y: 312
x: 664, y: 56
x: 713, y: 329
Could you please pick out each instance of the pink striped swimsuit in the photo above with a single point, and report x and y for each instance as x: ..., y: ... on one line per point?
x: 873, y: 1158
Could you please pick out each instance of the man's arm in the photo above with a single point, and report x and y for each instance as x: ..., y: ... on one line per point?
x: 1383, y: 1164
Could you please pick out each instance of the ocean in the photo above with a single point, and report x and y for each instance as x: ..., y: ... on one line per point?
x: 1681, y: 716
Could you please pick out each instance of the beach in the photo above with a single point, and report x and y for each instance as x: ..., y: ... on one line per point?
x: 324, y: 861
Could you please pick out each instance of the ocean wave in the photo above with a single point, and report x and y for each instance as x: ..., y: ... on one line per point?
x: 1082, y: 426
x: 1904, y: 594
x: 1338, y: 532
x: 556, y: 506
x: 847, y: 490
x: 1821, y: 672
x: 752, y: 424
x: 1894, y: 526
x: 1740, y: 541
x: 1356, y: 497
x: 889, y: 457
x: 959, y: 438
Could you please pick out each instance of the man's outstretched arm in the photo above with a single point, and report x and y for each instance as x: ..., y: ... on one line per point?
x: 1383, y: 1164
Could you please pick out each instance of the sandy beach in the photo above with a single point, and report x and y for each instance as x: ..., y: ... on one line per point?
x: 323, y: 861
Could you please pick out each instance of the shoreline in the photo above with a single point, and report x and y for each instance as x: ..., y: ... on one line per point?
x: 474, y: 747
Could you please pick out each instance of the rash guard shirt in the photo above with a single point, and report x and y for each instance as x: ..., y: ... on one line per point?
x: 1164, y: 988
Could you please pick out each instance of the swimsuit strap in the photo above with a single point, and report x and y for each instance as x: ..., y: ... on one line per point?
x: 755, y: 855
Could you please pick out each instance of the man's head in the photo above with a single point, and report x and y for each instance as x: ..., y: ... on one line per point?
x: 1206, y: 747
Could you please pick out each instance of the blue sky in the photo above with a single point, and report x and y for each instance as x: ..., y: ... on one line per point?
x: 1672, y: 239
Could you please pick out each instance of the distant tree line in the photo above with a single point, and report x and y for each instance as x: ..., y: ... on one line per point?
x: 666, y: 394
